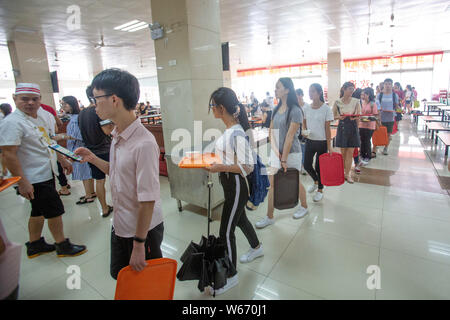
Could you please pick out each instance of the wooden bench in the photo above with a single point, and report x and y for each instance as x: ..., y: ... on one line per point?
x: 436, y: 126
x: 445, y: 138
x: 431, y: 119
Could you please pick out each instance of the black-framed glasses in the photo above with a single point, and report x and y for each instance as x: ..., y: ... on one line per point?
x: 94, y: 99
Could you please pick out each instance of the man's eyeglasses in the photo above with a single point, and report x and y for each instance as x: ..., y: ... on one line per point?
x: 94, y: 99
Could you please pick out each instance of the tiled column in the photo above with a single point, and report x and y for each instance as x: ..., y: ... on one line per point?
x: 227, y: 79
x: 189, y: 62
x: 30, y: 65
x: 189, y: 66
x: 335, y: 68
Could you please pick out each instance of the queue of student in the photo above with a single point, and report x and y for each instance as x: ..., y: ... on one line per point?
x: 299, y: 132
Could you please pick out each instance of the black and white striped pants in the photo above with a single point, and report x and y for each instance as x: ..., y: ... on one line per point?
x: 233, y: 214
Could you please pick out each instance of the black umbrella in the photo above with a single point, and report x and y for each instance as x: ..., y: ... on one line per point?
x: 207, y: 261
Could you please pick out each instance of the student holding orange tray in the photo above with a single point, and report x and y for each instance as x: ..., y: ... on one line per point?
x: 235, y: 162
x: 346, y: 109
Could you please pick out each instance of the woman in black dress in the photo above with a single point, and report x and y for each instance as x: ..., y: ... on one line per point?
x: 347, y: 137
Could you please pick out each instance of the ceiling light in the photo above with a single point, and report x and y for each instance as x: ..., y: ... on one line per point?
x: 138, y: 28
x: 136, y: 25
x: 126, y: 24
x: 231, y: 45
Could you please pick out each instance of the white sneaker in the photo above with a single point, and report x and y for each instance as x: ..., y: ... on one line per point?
x: 300, y: 213
x: 318, y: 196
x: 363, y: 163
x: 266, y: 221
x: 312, y: 188
x: 231, y: 282
x: 252, y: 254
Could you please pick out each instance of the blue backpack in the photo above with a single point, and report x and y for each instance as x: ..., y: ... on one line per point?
x: 257, y: 181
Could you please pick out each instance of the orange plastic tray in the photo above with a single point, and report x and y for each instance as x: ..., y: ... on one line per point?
x: 199, y: 160
x: 9, y: 182
x: 155, y: 282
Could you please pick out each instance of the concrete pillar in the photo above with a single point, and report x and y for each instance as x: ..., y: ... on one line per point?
x: 335, y: 72
x: 188, y: 61
x: 96, y: 63
x: 189, y: 66
x: 29, y: 61
x: 227, y: 79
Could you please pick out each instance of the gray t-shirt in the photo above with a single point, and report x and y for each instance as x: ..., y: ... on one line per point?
x: 281, y: 129
x: 387, y: 103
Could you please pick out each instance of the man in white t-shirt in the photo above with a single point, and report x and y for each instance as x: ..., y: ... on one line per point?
x: 269, y: 101
x: 24, y: 139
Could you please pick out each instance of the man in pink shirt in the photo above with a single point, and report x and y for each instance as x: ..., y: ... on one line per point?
x: 133, y: 170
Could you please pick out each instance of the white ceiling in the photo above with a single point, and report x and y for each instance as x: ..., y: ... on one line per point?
x: 300, y: 30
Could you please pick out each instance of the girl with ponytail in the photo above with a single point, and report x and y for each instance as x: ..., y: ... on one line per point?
x: 316, y: 125
x: 237, y: 161
x: 286, y: 149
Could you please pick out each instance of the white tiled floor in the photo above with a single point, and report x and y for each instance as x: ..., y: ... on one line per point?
x: 323, y: 256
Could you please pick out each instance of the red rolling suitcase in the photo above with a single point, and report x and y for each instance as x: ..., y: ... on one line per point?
x: 331, y: 169
x: 380, y: 137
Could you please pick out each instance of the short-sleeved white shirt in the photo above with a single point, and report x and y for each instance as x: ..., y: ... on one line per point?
x: 19, y: 129
x: 224, y: 147
x: 315, y: 121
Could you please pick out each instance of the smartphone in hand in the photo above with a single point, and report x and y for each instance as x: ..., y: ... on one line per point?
x: 65, y: 152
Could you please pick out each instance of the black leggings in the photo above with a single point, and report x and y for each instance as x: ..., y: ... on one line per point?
x: 366, y: 135
x: 314, y: 147
x: 62, y: 179
x: 233, y: 214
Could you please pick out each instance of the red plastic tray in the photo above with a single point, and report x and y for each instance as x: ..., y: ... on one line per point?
x: 331, y: 169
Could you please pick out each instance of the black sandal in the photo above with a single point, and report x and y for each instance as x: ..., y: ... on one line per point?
x: 373, y: 155
x: 110, y: 209
x: 91, y: 197
x: 85, y: 200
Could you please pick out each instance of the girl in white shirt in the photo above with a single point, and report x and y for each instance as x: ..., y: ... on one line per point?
x: 237, y: 160
x: 317, y: 121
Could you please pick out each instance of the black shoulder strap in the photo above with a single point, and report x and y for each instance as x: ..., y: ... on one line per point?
x: 381, y: 96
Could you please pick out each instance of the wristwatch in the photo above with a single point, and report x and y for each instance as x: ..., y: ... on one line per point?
x: 137, y: 239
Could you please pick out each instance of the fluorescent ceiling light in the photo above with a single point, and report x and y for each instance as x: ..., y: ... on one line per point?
x: 231, y: 44
x: 126, y: 24
x: 335, y: 47
x: 134, y: 26
x: 138, y: 28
